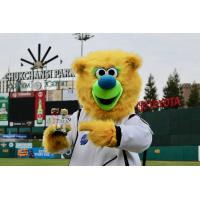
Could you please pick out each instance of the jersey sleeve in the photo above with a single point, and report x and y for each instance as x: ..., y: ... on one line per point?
x: 135, y: 135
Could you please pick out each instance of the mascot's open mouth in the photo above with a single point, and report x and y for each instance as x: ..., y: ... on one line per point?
x: 107, y: 99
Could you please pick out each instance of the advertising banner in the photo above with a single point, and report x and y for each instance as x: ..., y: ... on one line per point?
x: 56, y: 119
x: 21, y: 94
x: 4, y: 100
x: 40, y: 108
x: 54, y: 95
x: 34, y: 85
x: 23, y: 145
x: 69, y: 94
x: 67, y: 84
x: 35, y: 152
x: 58, y: 84
x: 13, y: 136
x: 7, y: 149
x: 143, y: 106
x: 22, y: 153
x: 27, y: 123
x: 39, y: 152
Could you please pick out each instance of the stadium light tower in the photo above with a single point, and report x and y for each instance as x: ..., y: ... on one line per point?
x: 82, y: 37
x: 38, y: 63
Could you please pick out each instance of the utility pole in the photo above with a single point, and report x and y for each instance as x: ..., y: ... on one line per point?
x: 82, y: 37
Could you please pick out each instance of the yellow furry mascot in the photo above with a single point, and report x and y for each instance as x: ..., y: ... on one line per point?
x: 106, y: 131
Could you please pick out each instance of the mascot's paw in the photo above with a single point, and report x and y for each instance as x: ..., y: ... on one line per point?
x: 101, y: 133
x: 67, y: 127
x: 54, y: 142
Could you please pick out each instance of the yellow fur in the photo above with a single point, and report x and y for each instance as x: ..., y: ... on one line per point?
x: 102, y: 129
x: 129, y: 78
x: 101, y: 133
x: 53, y: 144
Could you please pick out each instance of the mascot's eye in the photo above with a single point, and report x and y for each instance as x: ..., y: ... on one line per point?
x: 112, y: 72
x: 100, y: 72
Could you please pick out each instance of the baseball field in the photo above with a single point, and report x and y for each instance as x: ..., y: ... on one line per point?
x: 65, y: 162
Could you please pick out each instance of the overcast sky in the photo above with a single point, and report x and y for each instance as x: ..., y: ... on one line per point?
x: 161, y: 53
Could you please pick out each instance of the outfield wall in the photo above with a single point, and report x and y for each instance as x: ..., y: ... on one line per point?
x: 24, y: 150
x: 174, y: 153
x: 175, y: 127
x: 167, y: 153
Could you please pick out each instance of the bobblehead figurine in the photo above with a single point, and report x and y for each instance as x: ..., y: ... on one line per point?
x: 106, y: 131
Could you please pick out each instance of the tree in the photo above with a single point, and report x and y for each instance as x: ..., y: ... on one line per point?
x: 150, y: 89
x: 194, y: 99
x: 173, y: 87
x: 150, y: 92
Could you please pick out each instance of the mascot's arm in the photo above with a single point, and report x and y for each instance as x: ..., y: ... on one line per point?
x: 135, y: 136
x: 54, y: 143
x: 101, y: 133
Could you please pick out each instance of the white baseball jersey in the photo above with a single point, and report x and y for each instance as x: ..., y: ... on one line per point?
x: 136, y: 136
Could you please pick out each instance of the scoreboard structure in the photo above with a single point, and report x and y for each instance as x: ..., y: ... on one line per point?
x: 31, y: 112
x: 28, y: 98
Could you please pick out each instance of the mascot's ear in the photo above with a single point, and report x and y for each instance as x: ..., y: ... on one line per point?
x: 134, y: 61
x: 79, y: 65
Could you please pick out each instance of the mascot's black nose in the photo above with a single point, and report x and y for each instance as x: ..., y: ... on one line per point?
x: 107, y: 82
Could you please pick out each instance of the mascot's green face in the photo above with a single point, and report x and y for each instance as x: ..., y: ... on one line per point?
x: 106, y: 90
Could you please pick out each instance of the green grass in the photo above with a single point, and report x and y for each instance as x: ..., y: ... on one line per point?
x: 64, y: 162
x: 32, y: 162
x: 172, y: 163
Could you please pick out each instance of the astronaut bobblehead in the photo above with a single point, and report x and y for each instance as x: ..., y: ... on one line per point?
x: 106, y: 132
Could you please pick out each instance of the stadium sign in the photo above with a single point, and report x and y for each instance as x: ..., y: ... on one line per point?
x: 40, y: 74
x: 23, y: 145
x: 40, y: 103
x: 37, y: 85
x: 172, y: 102
x: 4, y: 104
x: 21, y: 94
x: 13, y: 136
